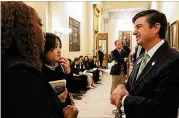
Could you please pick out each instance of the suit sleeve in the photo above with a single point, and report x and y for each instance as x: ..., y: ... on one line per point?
x: 166, y: 94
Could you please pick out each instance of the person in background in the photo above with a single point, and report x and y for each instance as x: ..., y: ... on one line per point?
x: 52, y: 69
x: 76, y: 70
x: 138, y: 51
x: 56, y: 67
x: 95, y: 65
x: 25, y: 91
x: 127, y: 49
x: 100, y: 56
x: 88, y: 68
x: 117, y: 70
x: 81, y: 57
x: 153, y: 86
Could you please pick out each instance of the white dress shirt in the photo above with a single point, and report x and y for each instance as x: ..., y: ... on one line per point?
x: 139, y: 48
x: 150, y: 53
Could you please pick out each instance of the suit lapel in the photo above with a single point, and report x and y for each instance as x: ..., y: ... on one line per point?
x: 133, y: 75
x: 153, y: 61
x: 134, y: 72
x: 150, y: 65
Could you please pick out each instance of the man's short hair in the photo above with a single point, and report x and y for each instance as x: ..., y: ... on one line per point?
x: 117, y: 41
x: 154, y: 17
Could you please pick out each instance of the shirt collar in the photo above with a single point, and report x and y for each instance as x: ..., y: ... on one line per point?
x: 50, y: 67
x: 155, y: 48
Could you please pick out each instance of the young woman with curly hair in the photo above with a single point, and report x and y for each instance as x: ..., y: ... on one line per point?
x: 25, y: 92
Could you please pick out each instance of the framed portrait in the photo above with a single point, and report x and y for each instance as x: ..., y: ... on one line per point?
x: 74, y: 36
x: 126, y: 37
x: 175, y: 35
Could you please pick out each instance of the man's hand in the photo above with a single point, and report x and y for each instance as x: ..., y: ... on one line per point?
x: 126, y: 59
x: 70, y: 112
x: 66, y: 64
x: 63, y: 95
x: 117, y: 94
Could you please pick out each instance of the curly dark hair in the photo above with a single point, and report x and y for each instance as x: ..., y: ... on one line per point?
x: 17, y: 32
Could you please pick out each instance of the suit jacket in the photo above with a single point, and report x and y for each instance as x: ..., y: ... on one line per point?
x: 58, y: 74
x: 82, y: 67
x: 100, y: 54
x: 127, y: 49
x: 135, y: 53
x: 94, y: 64
x: 119, y: 59
x: 26, y: 93
x: 75, y: 69
x: 86, y: 65
x: 155, y: 94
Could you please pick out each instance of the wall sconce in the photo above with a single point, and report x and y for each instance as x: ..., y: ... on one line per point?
x: 63, y: 31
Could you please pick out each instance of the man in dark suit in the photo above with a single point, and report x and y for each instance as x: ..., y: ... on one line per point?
x: 117, y: 70
x: 153, y: 87
x: 100, y: 56
x: 138, y: 51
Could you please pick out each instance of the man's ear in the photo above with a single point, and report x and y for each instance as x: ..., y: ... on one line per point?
x: 157, y: 27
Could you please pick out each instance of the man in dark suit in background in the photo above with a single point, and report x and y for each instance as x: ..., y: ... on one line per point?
x: 100, y: 56
x: 138, y: 51
x: 117, y: 70
x: 153, y: 87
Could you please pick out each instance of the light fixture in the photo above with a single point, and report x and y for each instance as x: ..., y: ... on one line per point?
x: 62, y: 31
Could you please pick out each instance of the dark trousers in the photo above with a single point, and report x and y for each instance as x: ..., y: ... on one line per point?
x: 125, y: 68
x: 101, y: 62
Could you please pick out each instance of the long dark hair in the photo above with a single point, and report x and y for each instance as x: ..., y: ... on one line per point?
x: 49, y: 44
x: 75, y: 60
x: 17, y: 32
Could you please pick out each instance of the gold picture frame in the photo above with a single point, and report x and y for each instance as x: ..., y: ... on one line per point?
x: 126, y: 37
x: 175, y: 35
x: 74, y: 36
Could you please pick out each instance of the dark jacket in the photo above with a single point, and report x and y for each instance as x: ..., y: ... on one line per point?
x: 127, y: 49
x: 94, y: 64
x: 82, y: 67
x: 75, y: 69
x: 58, y: 74
x: 155, y: 94
x: 100, y: 55
x: 86, y: 65
x: 26, y: 93
x: 135, y: 53
x: 119, y: 59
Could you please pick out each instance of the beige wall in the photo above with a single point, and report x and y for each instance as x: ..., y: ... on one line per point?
x: 170, y: 9
x: 90, y: 27
x: 56, y: 14
x: 120, y: 22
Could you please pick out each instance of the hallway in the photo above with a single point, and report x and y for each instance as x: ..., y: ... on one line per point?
x: 96, y: 102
